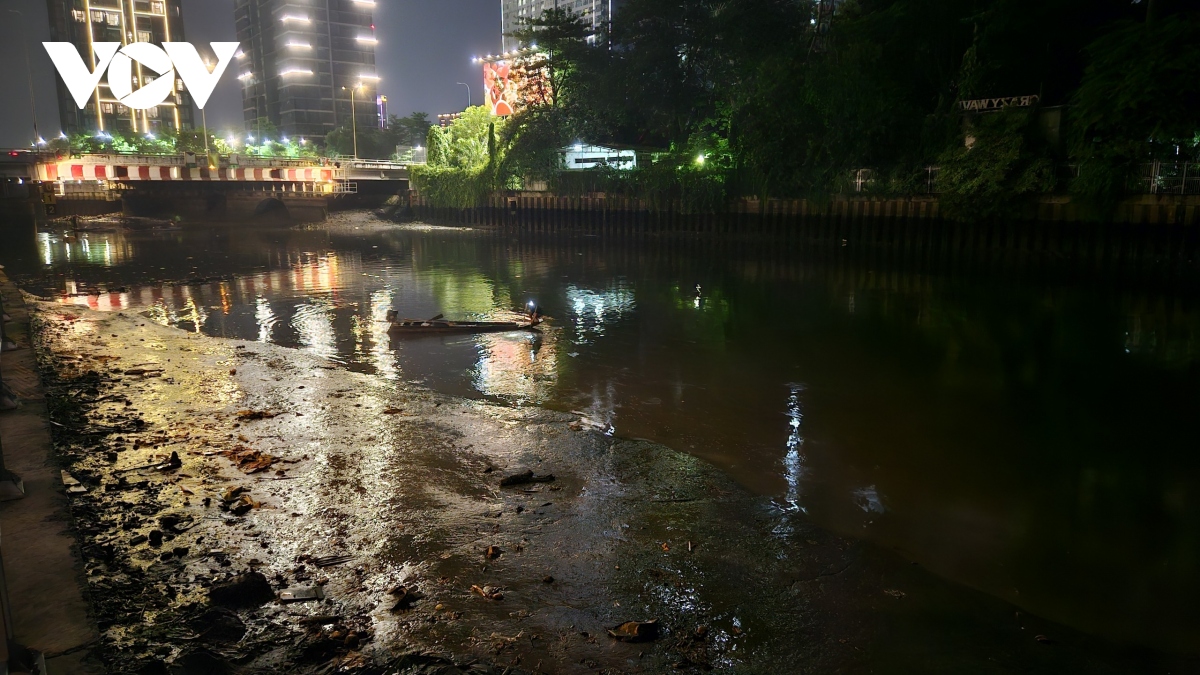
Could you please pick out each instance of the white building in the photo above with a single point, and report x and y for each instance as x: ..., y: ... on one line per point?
x: 579, y: 157
x: 597, y: 12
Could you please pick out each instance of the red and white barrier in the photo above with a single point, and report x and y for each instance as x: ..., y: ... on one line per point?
x: 122, y: 173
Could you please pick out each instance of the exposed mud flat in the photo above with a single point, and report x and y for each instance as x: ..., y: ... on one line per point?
x: 242, y: 507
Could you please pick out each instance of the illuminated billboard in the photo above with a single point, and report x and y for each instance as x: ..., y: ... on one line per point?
x: 514, y: 81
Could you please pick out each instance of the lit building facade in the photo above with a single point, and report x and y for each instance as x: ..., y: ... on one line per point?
x: 85, y: 22
x: 597, y: 12
x: 306, y: 66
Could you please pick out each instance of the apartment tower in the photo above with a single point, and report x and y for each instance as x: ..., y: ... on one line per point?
x: 306, y: 66
x: 596, y: 12
x: 84, y: 22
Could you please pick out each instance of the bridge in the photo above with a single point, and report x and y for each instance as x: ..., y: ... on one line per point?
x: 304, y: 188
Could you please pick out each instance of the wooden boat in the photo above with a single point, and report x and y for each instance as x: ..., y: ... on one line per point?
x: 440, y: 325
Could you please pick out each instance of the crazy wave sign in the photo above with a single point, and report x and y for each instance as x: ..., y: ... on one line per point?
x: 173, y: 58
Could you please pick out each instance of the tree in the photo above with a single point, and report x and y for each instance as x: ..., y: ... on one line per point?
x: 410, y: 130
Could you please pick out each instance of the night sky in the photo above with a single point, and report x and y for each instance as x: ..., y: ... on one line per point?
x: 425, y: 47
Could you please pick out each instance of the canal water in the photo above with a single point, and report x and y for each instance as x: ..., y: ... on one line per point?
x: 1036, y: 441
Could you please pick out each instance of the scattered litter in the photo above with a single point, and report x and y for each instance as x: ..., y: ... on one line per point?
x: 304, y: 594
x: 173, y: 462
x: 243, y: 505
x: 331, y: 560
x: 232, y: 494
x: 635, y: 631
x: 489, y: 592
x: 244, y: 590
x: 249, y: 460
x: 405, y: 597
x: 319, y: 620
x: 525, y: 477
x: 249, y: 415
x: 73, y: 486
x: 392, y: 411
x: 493, y: 552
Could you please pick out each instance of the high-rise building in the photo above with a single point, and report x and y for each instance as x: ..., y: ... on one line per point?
x: 306, y: 64
x: 597, y: 12
x: 83, y: 23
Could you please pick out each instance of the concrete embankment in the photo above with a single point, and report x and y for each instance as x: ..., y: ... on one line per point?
x: 242, y: 504
x: 42, y: 577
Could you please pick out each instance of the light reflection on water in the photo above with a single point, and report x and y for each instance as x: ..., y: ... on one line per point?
x: 1032, y: 442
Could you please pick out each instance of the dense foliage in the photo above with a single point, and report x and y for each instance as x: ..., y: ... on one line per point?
x: 780, y: 103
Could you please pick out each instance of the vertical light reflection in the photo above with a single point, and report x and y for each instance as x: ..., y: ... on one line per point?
x: 47, y: 250
x: 793, y: 460
x: 592, y: 311
x: 382, y: 357
x: 265, y: 316
x: 194, y: 313
x: 313, y: 322
x: 521, y: 367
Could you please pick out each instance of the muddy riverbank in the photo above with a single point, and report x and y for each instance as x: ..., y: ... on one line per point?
x: 243, y: 507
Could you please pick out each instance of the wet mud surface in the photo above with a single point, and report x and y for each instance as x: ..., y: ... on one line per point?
x: 242, y: 507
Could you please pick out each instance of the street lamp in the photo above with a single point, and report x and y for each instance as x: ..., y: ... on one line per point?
x: 204, y: 118
x: 469, y: 99
x: 354, y: 115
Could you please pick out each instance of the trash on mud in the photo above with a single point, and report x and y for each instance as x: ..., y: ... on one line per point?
x: 250, y: 415
x: 250, y: 589
x: 144, y: 372
x: 73, y: 486
x: 328, y: 561
x: 232, y: 493
x: 219, y: 625
x: 493, y: 552
x: 243, y: 505
x: 173, y: 462
x: 319, y: 620
x: 636, y: 631
x: 249, y: 460
x: 405, y: 597
x: 489, y: 592
x: 525, y: 477
x: 393, y: 411
x: 302, y: 594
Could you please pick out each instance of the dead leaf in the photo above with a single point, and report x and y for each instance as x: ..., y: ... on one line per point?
x: 635, y: 631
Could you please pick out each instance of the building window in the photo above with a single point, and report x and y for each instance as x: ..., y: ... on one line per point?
x: 158, y: 8
x: 98, y: 16
x: 114, y: 19
x: 79, y: 15
x: 152, y: 113
x: 143, y: 36
x: 106, y: 108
